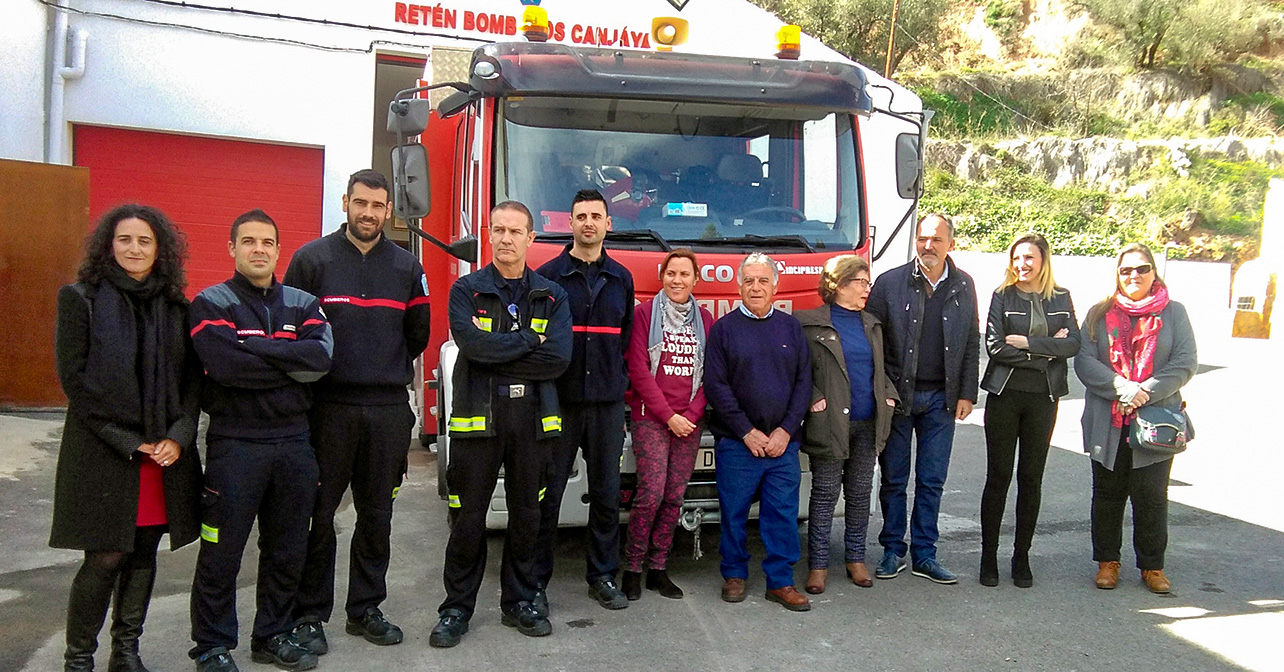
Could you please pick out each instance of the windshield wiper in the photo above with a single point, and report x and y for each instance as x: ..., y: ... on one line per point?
x: 752, y: 240
x: 629, y: 236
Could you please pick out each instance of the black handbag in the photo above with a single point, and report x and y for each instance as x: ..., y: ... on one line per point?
x: 1162, y: 430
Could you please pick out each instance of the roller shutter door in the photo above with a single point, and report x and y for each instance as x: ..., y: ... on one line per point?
x: 202, y: 184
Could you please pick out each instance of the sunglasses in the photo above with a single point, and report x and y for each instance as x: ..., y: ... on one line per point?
x: 1126, y: 271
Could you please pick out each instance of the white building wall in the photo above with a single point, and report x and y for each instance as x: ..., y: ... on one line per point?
x: 22, y: 81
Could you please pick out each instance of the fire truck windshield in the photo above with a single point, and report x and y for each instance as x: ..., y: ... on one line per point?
x: 694, y: 173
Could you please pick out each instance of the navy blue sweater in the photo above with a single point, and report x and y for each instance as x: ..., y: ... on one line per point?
x: 757, y: 374
x: 378, y: 306
x: 260, y: 348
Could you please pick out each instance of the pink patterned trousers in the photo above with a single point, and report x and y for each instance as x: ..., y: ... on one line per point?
x: 665, y: 463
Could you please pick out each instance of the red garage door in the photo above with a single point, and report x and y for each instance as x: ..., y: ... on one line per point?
x: 202, y: 184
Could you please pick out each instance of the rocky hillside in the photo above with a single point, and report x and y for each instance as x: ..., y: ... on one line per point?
x: 1037, y: 129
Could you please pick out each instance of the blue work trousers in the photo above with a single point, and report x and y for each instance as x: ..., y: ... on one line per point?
x: 775, y: 480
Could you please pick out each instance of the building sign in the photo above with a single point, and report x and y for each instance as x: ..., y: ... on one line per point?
x: 496, y: 24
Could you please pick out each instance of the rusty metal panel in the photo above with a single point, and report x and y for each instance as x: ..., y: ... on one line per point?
x: 44, y: 216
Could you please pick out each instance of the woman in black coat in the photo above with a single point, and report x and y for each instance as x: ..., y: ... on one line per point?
x: 128, y: 471
x: 1030, y: 334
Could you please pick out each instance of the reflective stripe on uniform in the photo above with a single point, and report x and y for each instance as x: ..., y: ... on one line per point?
x: 485, y: 323
x: 395, y: 491
x: 209, y: 533
x: 541, y: 493
x: 552, y: 423
x: 454, y: 501
x: 538, y: 325
x: 474, y: 424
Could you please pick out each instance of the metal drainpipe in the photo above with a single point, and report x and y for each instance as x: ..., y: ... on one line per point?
x: 60, y: 74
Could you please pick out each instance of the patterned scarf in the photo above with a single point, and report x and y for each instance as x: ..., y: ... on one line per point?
x: 667, y: 316
x: 1132, y: 353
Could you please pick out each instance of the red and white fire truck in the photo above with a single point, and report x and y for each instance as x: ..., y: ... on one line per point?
x: 725, y: 155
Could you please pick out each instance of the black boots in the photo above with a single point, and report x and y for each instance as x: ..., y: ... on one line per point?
x: 631, y: 584
x: 133, y: 595
x: 1022, y: 576
x: 103, y: 574
x: 658, y: 579
x: 91, y: 592
x: 989, y: 567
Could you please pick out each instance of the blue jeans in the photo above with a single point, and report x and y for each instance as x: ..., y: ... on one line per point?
x: 933, y: 423
x: 740, y: 476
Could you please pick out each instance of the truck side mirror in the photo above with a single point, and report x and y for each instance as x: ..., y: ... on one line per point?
x: 408, y: 116
x: 456, y: 102
x: 411, y: 197
x: 909, y: 170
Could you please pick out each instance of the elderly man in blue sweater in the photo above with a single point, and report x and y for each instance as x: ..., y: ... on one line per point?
x: 757, y: 375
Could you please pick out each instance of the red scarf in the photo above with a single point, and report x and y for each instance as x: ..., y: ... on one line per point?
x: 1132, y: 353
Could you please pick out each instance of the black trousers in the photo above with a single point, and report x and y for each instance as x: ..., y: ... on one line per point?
x: 1147, y: 487
x: 365, y: 447
x: 470, y: 478
x: 1015, y: 418
x: 598, y: 429
x: 277, y: 483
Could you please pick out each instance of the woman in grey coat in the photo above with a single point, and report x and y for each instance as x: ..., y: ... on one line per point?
x: 1137, y: 349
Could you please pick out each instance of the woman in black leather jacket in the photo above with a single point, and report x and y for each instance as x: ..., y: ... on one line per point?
x: 1030, y: 334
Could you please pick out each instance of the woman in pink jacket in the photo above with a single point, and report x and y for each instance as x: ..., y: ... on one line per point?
x: 666, y: 366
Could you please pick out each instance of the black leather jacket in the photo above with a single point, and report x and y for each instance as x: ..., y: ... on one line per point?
x: 1010, y: 314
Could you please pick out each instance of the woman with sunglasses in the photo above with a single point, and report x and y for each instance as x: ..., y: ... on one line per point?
x: 850, y: 415
x: 1138, y: 349
x: 1030, y: 335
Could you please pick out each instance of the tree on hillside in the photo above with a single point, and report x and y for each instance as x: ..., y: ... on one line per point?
x: 1195, y: 33
x: 858, y: 28
x: 1142, y: 24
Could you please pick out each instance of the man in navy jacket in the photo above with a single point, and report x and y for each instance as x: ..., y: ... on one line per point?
x: 261, y: 344
x: 600, y: 291
x: 513, y: 329
x: 757, y: 376
x: 376, y: 296
x: 933, y: 355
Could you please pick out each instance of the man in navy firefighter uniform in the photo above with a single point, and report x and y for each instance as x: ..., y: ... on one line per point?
x: 261, y: 343
x: 513, y: 329
x: 600, y: 291
x: 376, y: 297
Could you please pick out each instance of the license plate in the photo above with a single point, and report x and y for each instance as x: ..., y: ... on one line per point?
x: 704, y: 459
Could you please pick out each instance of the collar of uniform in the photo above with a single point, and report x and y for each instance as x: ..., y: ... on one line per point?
x: 489, y: 278
x: 571, y: 264
x: 749, y: 314
x: 242, y: 283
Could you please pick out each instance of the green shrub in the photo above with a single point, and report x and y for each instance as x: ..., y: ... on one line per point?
x: 1084, y: 221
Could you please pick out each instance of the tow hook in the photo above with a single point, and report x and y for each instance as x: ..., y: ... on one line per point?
x: 691, y: 521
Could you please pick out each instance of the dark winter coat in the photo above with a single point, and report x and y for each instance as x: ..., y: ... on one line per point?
x: 897, y: 300
x: 96, y: 487
x: 827, y: 433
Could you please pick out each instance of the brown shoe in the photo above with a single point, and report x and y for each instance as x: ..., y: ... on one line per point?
x: 733, y: 590
x: 859, y: 574
x: 1156, y: 581
x: 816, y: 581
x: 1108, y: 575
x: 789, y: 598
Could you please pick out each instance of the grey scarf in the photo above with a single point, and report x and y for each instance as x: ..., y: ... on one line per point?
x: 675, y: 318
